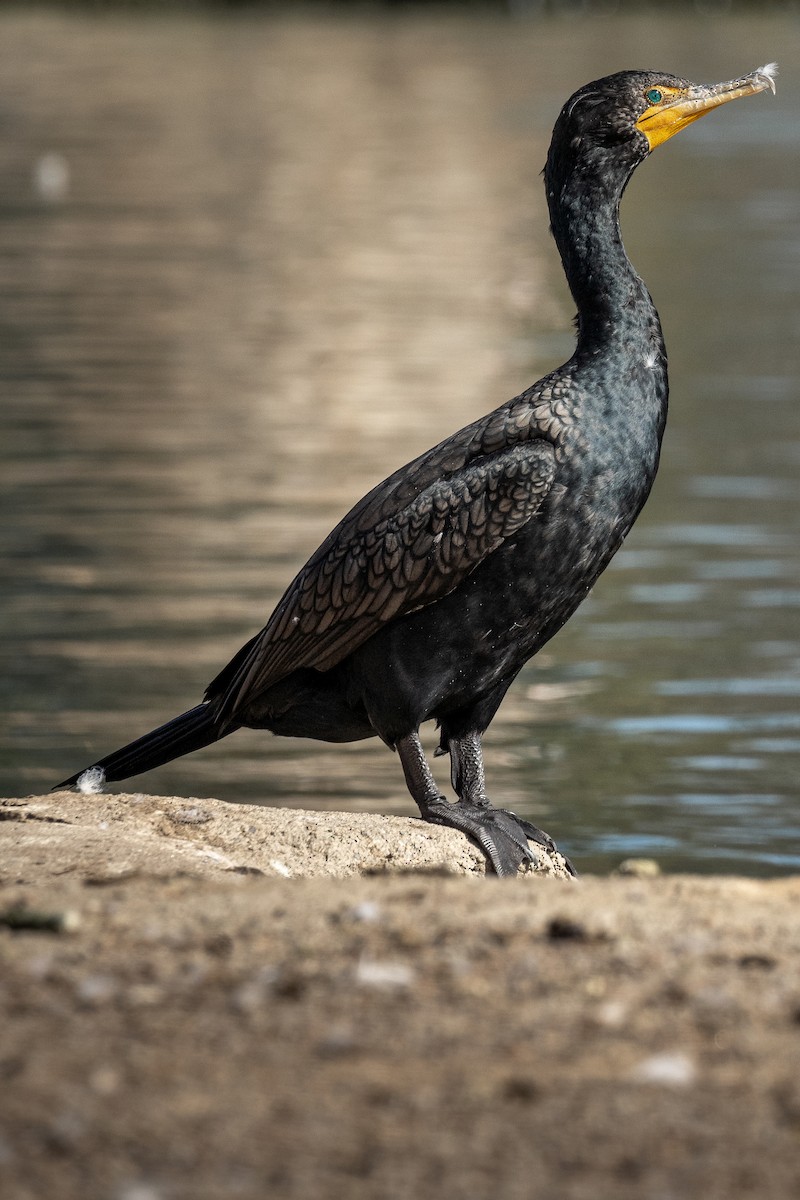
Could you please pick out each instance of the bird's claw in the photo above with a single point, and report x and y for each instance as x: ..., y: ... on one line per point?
x: 502, y: 835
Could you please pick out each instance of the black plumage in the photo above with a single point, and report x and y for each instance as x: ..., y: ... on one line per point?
x: 429, y: 596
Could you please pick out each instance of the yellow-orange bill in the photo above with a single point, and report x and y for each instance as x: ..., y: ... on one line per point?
x: 678, y: 107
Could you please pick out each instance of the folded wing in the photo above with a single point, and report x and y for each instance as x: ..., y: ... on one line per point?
x: 408, y: 543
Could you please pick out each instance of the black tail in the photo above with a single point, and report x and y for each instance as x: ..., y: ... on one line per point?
x: 190, y: 731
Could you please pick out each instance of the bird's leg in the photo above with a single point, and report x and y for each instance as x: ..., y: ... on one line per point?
x: 469, y: 783
x: 502, y: 836
x: 466, y: 770
x: 419, y: 777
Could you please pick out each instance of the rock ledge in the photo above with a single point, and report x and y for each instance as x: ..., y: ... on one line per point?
x: 109, y: 836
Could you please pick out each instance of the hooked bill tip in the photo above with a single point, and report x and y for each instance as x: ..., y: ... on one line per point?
x: 768, y: 73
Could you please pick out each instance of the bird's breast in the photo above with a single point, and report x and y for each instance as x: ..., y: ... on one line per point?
x: 606, y: 428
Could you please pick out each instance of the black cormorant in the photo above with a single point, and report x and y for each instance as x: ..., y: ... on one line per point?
x: 430, y: 595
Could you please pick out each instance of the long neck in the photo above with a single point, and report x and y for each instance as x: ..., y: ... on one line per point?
x: 614, y: 306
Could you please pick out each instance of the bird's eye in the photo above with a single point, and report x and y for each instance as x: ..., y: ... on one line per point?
x: 654, y: 96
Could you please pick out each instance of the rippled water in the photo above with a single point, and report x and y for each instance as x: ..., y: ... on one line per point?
x: 247, y: 267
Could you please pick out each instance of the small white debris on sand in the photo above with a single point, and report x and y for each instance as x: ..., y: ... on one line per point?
x: 367, y: 910
x: 51, y: 177
x: 91, y: 781
x: 384, y: 975
x: 138, y: 1191
x: 673, y: 1069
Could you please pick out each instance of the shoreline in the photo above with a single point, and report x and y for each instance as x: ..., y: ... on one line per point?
x: 197, y: 1028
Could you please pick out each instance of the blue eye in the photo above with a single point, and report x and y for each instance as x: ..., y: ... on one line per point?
x: 654, y: 96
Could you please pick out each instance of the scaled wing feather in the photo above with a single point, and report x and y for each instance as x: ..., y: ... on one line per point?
x: 401, y: 548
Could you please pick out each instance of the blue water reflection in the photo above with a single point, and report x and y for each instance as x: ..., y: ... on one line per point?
x: 248, y: 266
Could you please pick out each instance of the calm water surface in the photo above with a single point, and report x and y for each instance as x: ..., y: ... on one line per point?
x: 249, y: 267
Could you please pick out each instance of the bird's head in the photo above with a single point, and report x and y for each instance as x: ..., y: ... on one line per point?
x: 609, y: 126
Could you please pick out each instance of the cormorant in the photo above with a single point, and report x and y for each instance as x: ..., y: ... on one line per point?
x: 430, y: 595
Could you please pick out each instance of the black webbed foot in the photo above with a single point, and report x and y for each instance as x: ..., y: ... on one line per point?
x: 502, y: 835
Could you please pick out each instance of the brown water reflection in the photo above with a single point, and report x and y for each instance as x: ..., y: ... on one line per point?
x: 285, y: 255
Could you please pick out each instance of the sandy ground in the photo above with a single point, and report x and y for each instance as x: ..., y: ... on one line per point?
x: 184, y: 1016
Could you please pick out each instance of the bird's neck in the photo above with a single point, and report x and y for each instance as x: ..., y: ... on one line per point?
x: 614, y: 306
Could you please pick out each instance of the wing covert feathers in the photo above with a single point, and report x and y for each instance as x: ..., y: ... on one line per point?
x: 408, y: 543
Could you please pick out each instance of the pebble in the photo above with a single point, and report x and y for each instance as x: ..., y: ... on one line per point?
x: 138, y: 1191
x: 387, y: 975
x: 640, y: 868
x: 672, y: 1068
